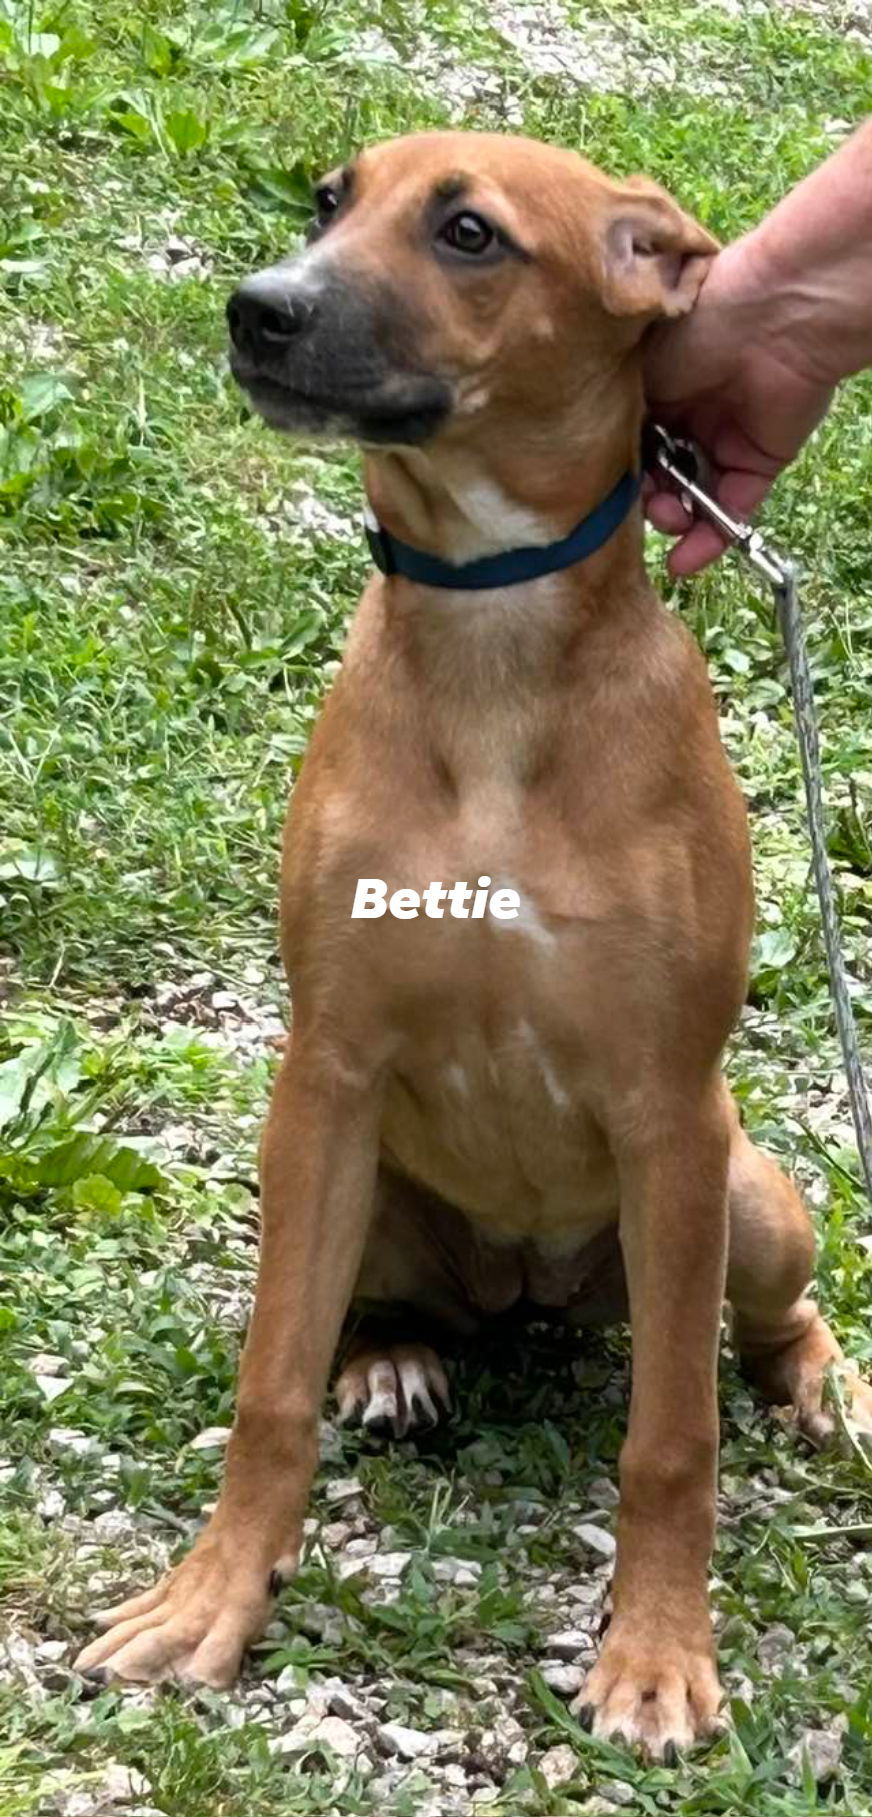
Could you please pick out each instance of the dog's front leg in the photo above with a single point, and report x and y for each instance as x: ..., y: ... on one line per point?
x: 318, y: 1165
x: 656, y: 1681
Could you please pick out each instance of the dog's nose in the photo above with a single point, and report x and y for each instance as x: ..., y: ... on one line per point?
x: 265, y: 314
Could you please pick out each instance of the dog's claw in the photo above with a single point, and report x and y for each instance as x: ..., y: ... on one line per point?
x: 424, y: 1414
x: 393, y: 1393
x: 656, y: 1694
x: 191, y: 1627
x: 382, y: 1426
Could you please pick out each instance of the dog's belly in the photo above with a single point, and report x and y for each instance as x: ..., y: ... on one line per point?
x: 498, y: 1127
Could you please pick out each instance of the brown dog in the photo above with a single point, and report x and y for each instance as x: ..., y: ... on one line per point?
x: 476, y: 1110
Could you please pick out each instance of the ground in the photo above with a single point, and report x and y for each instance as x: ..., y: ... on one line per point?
x: 174, y: 589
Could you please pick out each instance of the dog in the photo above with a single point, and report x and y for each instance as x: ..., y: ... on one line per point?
x: 476, y: 1112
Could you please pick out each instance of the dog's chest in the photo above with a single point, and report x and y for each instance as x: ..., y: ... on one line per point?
x: 490, y: 1101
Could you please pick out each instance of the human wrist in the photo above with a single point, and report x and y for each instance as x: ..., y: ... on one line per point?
x: 787, y: 310
x: 811, y: 261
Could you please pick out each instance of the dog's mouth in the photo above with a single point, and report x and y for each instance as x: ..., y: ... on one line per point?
x: 406, y: 410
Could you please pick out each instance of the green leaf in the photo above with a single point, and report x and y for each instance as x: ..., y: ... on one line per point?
x: 29, y: 1079
x: 774, y: 948
x: 86, y: 1154
x: 288, y: 187
x: 42, y: 44
x: 40, y: 393
x: 30, y: 862
x: 185, y: 130
x: 97, y: 1193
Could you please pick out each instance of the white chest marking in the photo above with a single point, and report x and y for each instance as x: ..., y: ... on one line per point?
x: 528, y: 921
x: 557, y: 1092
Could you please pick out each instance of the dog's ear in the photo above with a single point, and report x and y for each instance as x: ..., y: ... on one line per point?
x: 653, y: 256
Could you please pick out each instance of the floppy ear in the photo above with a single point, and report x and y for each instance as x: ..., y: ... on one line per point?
x: 653, y: 256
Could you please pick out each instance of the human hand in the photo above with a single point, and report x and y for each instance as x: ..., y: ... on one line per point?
x: 738, y: 376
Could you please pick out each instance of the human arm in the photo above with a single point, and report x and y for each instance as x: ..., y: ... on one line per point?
x: 784, y: 315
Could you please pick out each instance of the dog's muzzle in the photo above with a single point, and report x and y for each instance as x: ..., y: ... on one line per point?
x: 319, y: 355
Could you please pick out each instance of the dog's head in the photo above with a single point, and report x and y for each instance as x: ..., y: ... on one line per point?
x: 454, y: 279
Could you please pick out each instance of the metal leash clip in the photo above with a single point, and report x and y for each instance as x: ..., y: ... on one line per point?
x: 686, y: 469
x: 684, y: 464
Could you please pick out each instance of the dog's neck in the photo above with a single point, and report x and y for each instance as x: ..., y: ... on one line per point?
x: 488, y: 669
x: 460, y: 501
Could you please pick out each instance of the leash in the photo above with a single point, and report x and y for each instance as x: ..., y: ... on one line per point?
x: 682, y: 465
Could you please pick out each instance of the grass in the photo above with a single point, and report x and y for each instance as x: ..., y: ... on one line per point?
x: 166, y: 631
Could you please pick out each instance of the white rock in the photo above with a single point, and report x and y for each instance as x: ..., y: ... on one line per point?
x: 320, y: 1621
x: 186, y: 268
x: 114, y: 1524
x: 595, y: 1539
x: 344, y: 1702
x: 52, y: 1651
x: 775, y: 1646
x: 336, y: 1534
x: 210, y: 1439
x: 394, y: 1738
x: 603, y: 1493
x: 80, y: 1804
x: 388, y: 1564
x: 559, y: 1765
x: 568, y: 1644
x: 327, y: 1732
x: 823, y: 1747
x: 365, y: 1546
x: 51, y: 1387
x: 51, y: 1505
x: 46, y: 1362
x: 119, y: 1782
x: 67, y: 1441
x: 349, y: 1567
x: 343, y: 1488
x: 617, y: 1792
x: 590, y: 1595
x: 464, y: 1572
x: 504, y: 1742
x: 334, y: 1732
x: 565, y: 1680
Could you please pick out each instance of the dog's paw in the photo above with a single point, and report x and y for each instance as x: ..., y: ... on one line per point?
x: 193, y: 1626
x: 652, y: 1692
x: 393, y: 1392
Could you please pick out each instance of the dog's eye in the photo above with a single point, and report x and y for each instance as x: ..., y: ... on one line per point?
x: 467, y: 233
x: 326, y: 203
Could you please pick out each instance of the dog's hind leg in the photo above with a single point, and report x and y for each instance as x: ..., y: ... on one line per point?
x: 784, y: 1345
x: 412, y: 1294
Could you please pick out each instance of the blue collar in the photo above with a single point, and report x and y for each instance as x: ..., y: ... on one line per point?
x: 513, y: 565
